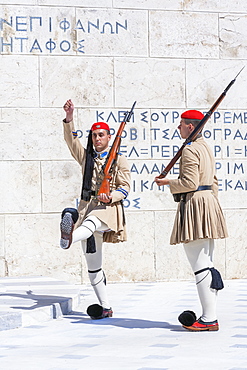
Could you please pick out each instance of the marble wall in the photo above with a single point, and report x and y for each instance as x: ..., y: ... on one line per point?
x: 168, y: 56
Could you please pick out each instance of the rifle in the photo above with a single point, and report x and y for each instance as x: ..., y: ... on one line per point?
x: 197, y: 129
x: 112, y: 155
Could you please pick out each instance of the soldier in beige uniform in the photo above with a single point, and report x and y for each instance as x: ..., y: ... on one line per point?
x: 100, y: 218
x: 199, y: 220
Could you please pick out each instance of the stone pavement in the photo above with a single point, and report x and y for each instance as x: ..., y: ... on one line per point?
x: 143, y: 334
x: 29, y: 300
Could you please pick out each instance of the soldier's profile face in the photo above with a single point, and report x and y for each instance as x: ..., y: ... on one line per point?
x: 185, y: 129
x: 100, y: 139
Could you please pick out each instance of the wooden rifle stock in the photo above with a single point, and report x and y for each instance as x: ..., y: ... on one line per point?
x: 197, y: 129
x: 112, y: 156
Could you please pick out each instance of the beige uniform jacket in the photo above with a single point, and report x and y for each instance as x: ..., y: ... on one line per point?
x: 111, y: 214
x: 202, y: 215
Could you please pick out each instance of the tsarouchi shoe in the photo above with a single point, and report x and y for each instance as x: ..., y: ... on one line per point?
x: 200, y: 325
x: 96, y: 312
x: 66, y: 227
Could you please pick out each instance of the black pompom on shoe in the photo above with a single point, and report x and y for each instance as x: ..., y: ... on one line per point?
x: 187, y: 318
x: 96, y: 312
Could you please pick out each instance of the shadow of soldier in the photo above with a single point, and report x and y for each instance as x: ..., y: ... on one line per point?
x: 61, y: 305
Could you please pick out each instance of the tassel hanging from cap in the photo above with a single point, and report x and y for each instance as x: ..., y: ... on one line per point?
x: 88, y: 170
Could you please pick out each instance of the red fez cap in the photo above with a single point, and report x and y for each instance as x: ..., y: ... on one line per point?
x: 192, y: 114
x: 99, y: 125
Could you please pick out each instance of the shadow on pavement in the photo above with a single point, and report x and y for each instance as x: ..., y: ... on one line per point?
x: 39, y: 300
x: 127, y: 323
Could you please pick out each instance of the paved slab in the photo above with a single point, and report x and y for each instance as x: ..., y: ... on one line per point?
x: 30, y: 300
x: 143, y: 334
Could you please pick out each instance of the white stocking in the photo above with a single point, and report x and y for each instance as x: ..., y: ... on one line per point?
x: 93, y: 225
x: 200, y: 256
x: 88, y: 227
x: 95, y: 272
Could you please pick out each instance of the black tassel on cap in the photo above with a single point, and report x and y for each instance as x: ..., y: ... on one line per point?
x: 88, y: 170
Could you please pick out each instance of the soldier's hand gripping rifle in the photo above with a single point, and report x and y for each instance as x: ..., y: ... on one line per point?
x: 197, y: 129
x: 112, y: 155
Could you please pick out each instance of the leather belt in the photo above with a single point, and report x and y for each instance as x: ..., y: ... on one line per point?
x: 200, y: 188
x: 204, y: 187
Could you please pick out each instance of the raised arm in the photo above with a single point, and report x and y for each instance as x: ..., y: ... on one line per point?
x: 74, y: 145
x: 69, y: 109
